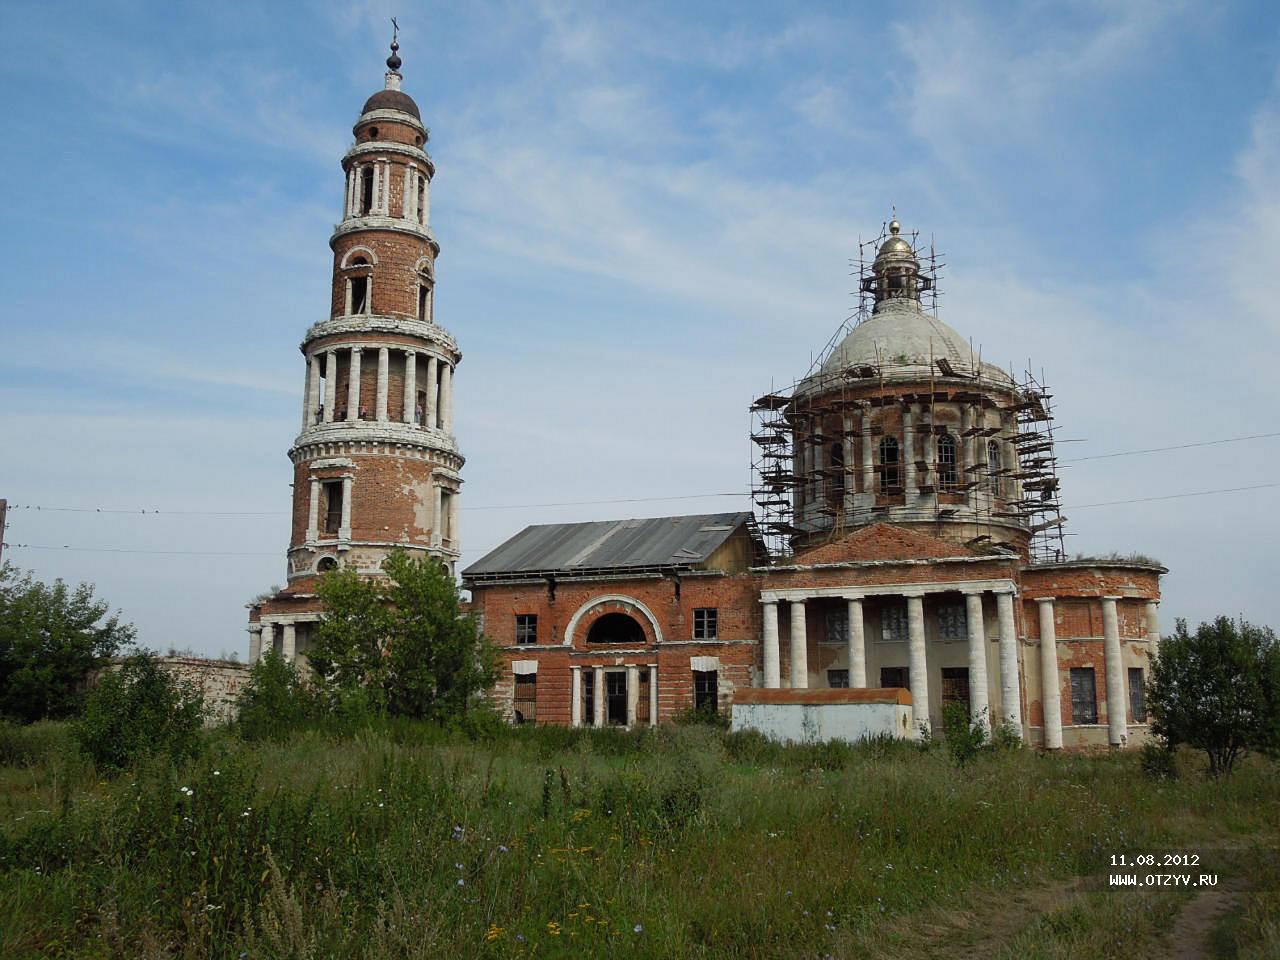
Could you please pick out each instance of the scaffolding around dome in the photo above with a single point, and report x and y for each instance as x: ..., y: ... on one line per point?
x: 901, y: 422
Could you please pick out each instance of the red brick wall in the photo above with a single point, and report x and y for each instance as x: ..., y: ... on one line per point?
x: 395, y: 281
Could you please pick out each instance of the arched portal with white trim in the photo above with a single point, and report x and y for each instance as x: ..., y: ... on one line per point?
x: 615, y: 603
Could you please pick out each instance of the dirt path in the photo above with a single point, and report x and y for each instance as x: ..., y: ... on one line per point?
x: 1189, y: 938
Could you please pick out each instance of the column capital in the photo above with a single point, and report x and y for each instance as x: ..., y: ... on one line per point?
x: 975, y: 591
x: 1113, y: 598
x: 1044, y: 599
x: 255, y: 628
x: 769, y: 600
x: 577, y: 667
x: 852, y: 597
x: 916, y: 594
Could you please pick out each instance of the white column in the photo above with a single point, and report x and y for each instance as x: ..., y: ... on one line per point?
x: 353, y: 388
x: 799, y: 647
x: 1117, y: 700
x: 653, y: 694
x: 454, y: 539
x: 1050, y: 686
x: 384, y: 375
x: 1153, y: 622
x: 967, y: 445
x: 425, y: 212
x: 597, y: 697
x: 308, y: 377
x: 575, y: 696
x: 868, y: 463
x: 930, y: 452
x: 349, y: 207
x: 633, y: 693
x: 437, y: 516
x: 1010, y: 686
x: 313, y: 392
x: 917, y: 664
x: 289, y: 642
x: 313, y: 513
x: 331, y: 384
x: 406, y: 199
x: 909, y: 456
x: 255, y: 642
x: 446, y: 398
x: 410, y: 385
x: 268, y: 639
x: 848, y: 466
x: 433, y: 384
x: 857, y: 646
x: 979, y: 698
x: 344, y: 532
x: 772, y: 665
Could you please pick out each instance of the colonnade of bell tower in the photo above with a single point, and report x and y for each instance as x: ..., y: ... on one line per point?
x: 376, y: 464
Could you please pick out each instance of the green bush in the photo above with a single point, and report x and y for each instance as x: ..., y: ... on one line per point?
x: 32, y: 744
x: 139, y: 710
x: 1159, y: 761
x: 275, y: 701
x: 965, y: 740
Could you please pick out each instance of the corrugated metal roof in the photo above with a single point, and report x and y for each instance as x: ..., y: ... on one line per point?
x: 610, y: 544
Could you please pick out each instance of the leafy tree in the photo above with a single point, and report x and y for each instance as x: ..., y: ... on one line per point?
x: 274, y: 702
x: 403, y: 637
x: 51, y: 638
x: 139, y: 710
x: 1217, y: 690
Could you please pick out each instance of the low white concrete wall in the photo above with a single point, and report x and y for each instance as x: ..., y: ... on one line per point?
x: 819, y: 716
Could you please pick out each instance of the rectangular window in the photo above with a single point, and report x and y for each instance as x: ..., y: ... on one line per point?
x: 1084, y: 696
x: 366, y: 190
x: 420, y: 411
x: 893, y: 622
x: 642, y: 697
x: 837, y: 618
x: 1137, y: 695
x: 588, y: 697
x: 706, y: 623
x: 526, y: 628
x: 838, y: 679
x: 895, y: 677
x: 705, y: 691
x: 955, y: 686
x: 359, y: 295
x: 953, y: 621
x: 424, y: 294
x: 332, y: 507
x: 526, y: 698
x: 615, y: 697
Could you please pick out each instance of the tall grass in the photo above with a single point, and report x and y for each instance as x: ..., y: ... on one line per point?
x: 678, y: 842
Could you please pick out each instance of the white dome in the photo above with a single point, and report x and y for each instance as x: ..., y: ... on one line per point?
x: 902, y: 342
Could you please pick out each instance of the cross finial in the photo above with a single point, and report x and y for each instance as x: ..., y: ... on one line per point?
x: 393, y: 61
x: 395, y: 33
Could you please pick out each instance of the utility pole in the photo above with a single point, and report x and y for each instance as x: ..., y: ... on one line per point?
x: 4, y: 508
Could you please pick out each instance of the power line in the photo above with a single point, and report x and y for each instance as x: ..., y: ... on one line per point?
x: 1174, y: 496
x: 1180, y: 446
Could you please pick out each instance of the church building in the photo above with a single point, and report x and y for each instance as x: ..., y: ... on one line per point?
x: 904, y: 539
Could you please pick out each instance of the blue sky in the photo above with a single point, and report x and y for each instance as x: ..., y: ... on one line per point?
x: 647, y: 216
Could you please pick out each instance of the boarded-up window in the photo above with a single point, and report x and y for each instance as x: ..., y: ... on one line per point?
x: 1137, y: 695
x: 838, y: 679
x: 895, y: 677
x: 642, y: 698
x: 526, y: 698
x: 1084, y: 696
x: 705, y: 691
x: 955, y: 686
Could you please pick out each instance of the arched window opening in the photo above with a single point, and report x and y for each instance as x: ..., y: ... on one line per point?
x: 947, y: 477
x: 326, y: 564
x: 616, y: 628
x: 837, y: 468
x: 422, y: 199
x: 890, y: 475
x: 357, y: 295
x: 993, y: 466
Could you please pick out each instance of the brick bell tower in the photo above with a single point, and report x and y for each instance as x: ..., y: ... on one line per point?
x: 376, y: 465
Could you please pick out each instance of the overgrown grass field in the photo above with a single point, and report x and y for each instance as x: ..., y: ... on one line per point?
x: 406, y: 841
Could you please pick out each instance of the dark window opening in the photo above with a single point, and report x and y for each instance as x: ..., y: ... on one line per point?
x: 1137, y: 695
x: 1084, y: 696
x: 837, y: 467
x: 615, y: 688
x: 898, y: 677
x: 706, y: 691
x: 993, y: 466
x: 420, y: 411
x: 642, y: 698
x: 947, y: 462
x: 890, y: 477
x: 526, y: 698
x: 366, y: 190
x: 955, y: 686
x: 424, y: 302
x: 526, y: 628
x: 588, y: 697
x: 326, y: 564
x: 332, y: 508
x: 616, y: 628
x: 838, y: 679
x: 706, y: 624
x: 359, y: 295
x: 422, y: 199
x: 373, y: 133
